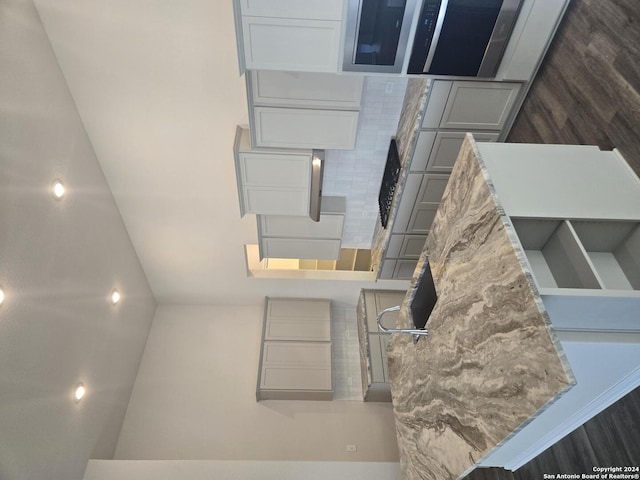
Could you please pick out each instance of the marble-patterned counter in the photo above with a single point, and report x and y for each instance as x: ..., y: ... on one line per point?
x: 492, y: 361
x: 412, y: 110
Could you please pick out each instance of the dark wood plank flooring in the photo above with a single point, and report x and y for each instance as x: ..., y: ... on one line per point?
x: 588, y: 89
x: 610, y: 439
x: 588, y: 92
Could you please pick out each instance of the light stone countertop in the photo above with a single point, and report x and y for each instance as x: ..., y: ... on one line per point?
x: 413, y: 107
x: 491, y: 362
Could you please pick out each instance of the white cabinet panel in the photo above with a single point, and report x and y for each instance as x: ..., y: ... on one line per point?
x: 271, y: 201
x: 305, y: 89
x: 329, y: 226
x: 311, y: 248
x: 298, y: 319
x: 409, y: 194
x: 412, y: 246
x: 314, y: 9
x: 438, y: 96
x: 424, y: 145
x: 277, y: 170
x: 305, y: 128
x: 422, y: 218
x: 405, y: 269
x: 296, y: 366
x: 447, y: 146
x: 479, y: 105
x: 272, y: 182
x: 432, y: 188
x: 291, y: 44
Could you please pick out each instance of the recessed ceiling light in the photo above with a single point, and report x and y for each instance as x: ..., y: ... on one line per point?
x: 79, y: 392
x: 115, y: 297
x: 58, y: 189
x: 1, y: 296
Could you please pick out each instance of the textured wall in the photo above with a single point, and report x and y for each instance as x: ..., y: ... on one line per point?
x: 59, y: 261
x: 357, y: 173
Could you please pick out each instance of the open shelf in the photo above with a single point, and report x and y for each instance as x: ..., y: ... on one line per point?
x: 582, y: 254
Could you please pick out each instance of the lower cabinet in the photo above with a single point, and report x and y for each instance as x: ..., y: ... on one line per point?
x: 375, y: 369
x: 295, y: 363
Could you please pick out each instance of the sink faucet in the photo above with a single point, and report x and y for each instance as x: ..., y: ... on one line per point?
x: 415, y: 332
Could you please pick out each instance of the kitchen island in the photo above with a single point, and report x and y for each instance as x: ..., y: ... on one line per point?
x: 491, y: 361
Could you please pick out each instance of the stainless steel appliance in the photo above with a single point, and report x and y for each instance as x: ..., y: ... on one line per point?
x: 377, y: 35
x: 462, y: 37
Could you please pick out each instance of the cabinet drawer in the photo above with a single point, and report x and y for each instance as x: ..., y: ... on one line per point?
x: 422, y: 218
x: 377, y: 358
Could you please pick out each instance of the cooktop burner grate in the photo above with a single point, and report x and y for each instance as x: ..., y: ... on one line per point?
x: 389, y: 182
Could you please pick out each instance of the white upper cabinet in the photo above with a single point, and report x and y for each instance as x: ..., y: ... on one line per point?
x: 272, y: 182
x: 293, y: 35
x: 304, y: 109
x: 305, y: 128
x: 311, y: 9
x: 302, y: 89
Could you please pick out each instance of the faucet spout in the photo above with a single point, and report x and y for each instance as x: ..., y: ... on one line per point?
x: 416, y: 332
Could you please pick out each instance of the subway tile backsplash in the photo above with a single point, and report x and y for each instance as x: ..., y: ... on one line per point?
x: 356, y: 174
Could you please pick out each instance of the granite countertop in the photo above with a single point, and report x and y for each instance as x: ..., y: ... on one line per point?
x: 413, y: 107
x: 491, y: 361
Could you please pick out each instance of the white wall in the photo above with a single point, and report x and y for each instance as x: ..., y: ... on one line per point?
x: 194, y: 398
x: 207, y: 470
x: 59, y: 261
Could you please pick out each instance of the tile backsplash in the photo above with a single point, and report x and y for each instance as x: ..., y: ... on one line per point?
x: 356, y: 174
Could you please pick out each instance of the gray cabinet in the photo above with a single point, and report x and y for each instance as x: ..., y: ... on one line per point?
x: 375, y: 369
x: 303, y: 110
x: 272, y: 182
x: 469, y: 105
x: 295, y: 358
x: 282, y: 236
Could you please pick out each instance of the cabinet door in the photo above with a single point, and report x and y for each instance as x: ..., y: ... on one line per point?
x: 405, y: 269
x: 427, y: 202
x: 306, y: 89
x: 305, y: 128
x: 312, y: 9
x: 296, y: 366
x: 305, y: 248
x: 479, y: 105
x: 407, y: 201
x: 377, y: 357
x: 424, y: 145
x: 329, y: 226
x: 275, y: 184
x: 291, y: 44
x: 298, y: 319
x: 447, y: 146
x: 412, y: 246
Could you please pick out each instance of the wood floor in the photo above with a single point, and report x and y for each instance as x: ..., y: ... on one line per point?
x: 588, y: 92
x: 610, y: 439
x: 588, y: 89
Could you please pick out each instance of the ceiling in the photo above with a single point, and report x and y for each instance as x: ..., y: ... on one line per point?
x: 157, y: 86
